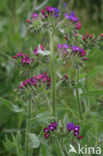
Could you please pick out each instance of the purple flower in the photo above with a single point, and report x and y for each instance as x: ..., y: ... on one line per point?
x: 46, y: 130
x: 56, y: 12
x: 60, y: 46
x: 75, y: 48
x: 65, y: 46
x: 76, y: 128
x: 72, y: 14
x: 70, y: 126
x: 54, y: 124
x: 65, y: 5
x: 67, y: 16
x: 72, y: 17
x: 36, y: 51
x: 26, y: 55
x: 76, y: 133
x: 46, y: 135
x: 23, y: 60
x: 51, y: 127
x: 49, y: 9
x: 28, y: 60
x: 35, y: 15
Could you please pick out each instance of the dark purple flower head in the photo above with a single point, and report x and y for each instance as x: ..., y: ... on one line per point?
x: 23, y: 60
x: 76, y: 128
x: 36, y: 51
x: 49, y: 9
x: 46, y: 135
x: 76, y: 133
x: 46, y: 130
x: 75, y: 48
x: 51, y: 127
x: 70, y: 126
x: 54, y: 124
x: 56, y: 12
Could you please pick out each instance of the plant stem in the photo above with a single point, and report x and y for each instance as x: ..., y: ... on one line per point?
x: 53, y: 84
x: 28, y: 125
x: 78, y: 96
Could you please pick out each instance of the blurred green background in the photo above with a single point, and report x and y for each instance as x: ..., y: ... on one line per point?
x: 14, y: 35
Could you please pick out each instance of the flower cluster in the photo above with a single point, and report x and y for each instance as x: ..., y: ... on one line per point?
x: 87, y: 37
x: 37, y: 80
x: 75, y: 129
x: 72, y: 18
x: 24, y: 59
x: 50, y: 11
x: 36, y: 49
x: 80, y: 51
x: 51, y: 127
x: 63, y: 48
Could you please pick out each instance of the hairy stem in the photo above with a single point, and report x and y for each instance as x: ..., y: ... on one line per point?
x: 28, y: 126
x: 53, y: 84
x: 78, y: 96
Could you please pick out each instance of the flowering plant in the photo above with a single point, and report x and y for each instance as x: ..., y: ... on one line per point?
x: 47, y: 131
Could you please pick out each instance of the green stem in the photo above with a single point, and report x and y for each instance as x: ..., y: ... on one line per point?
x: 28, y: 126
x: 53, y: 84
x: 78, y: 96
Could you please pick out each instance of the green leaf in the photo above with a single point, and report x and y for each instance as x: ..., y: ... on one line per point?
x: 85, y: 129
x: 92, y: 93
x: 92, y: 72
x: 34, y: 141
x: 10, y: 105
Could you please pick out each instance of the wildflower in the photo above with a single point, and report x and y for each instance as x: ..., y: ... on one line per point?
x: 91, y: 36
x: 56, y: 12
x: 70, y: 126
x: 60, y: 46
x: 65, y: 46
x: 67, y: 16
x: 80, y: 137
x: 54, y: 124
x: 79, y: 25
x: 28, y: 21
x: 66, y: 76
x: 75, y: 48
x: 64, y: 5
x: 101, y: 35
x: 83, y: 38
x: 72, y: 17
x: 37, y: 80
x: 35, y: 15
x: 42, y: 11
x: 76, y: 133
x: 23, y: 57
x: 46, y: 130
x: 85, y: 58
x: 46, y: 135
x: 49, y: 9
x: 51, y: 127
x: 76, y: 128
x: 87, y: 35
x: 36, y: 49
